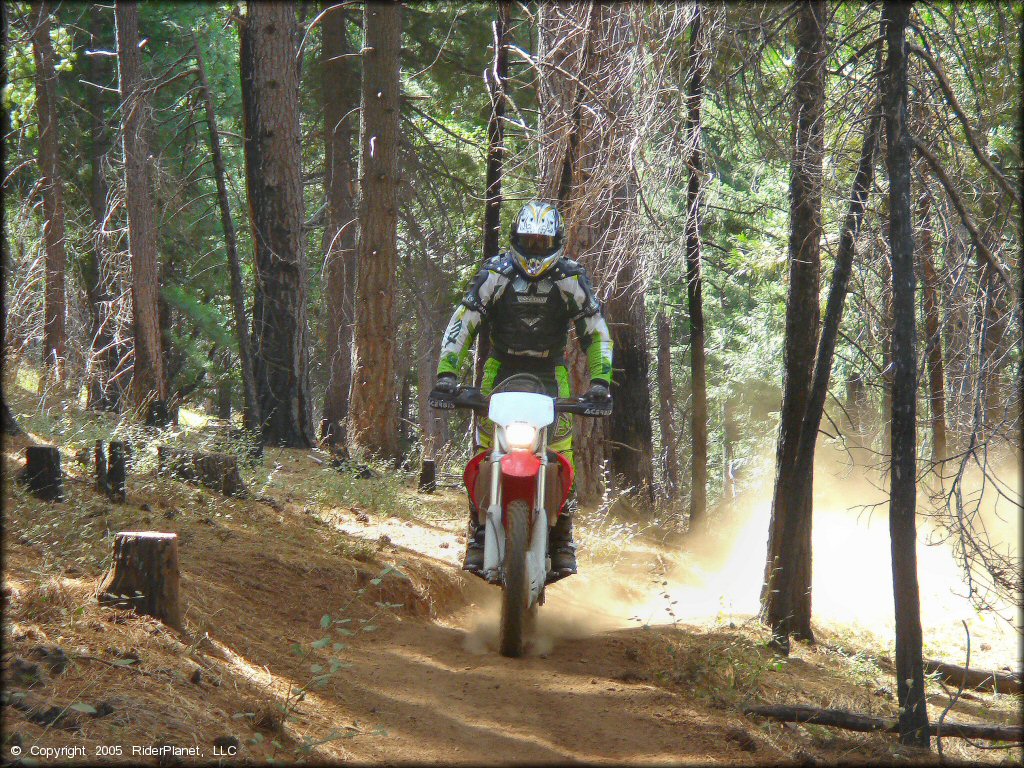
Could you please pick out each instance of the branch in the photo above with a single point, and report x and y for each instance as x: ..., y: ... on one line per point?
x: 850, y: 721
x: 954, y: 198
x: 951, y: 99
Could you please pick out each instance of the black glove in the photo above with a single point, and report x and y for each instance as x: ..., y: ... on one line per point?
x: 598, y: 393
x: 446, y: 383
x: 442, y: 396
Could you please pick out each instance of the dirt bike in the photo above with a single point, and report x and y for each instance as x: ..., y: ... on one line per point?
x: 517, y: 487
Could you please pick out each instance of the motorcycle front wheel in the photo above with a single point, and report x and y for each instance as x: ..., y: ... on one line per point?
x: 515, y: 601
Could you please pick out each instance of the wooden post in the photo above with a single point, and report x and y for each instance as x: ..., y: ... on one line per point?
x: 117, y: 470
x: 101, y: 468
x: 144, y: 576
x: 428, y: 476
x: 42, y: 472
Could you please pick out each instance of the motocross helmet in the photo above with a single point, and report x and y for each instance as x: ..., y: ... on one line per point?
x: 537, y: 238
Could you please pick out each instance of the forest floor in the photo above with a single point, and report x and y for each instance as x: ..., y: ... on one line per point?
x: 617, y: 671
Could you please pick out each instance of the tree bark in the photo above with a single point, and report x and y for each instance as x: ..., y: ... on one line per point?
x: 694, y: 282
x: 148, y: 379
x: 374, y: 399
x: 273, y: 165
x: 52, y: 185
x: 144, y: 576
x: 786, y: 594
x: 251, y: 413
x: 340, y: 95
x: 913, y: 721
x: 933, y: 349
x: 667, y: 411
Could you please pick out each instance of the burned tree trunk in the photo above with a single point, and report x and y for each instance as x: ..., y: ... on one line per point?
x: 144, y: 576
x: 100, y: 456
x: 341, y: 104
x: 786, y: 595
x: 148, y: 379
x: 374, y: 398
x: 252, y: 409
x: 42, y: 473
x: 270, y: 101
x: 52, y: 185
x: 117, y: 471
x: 694, y: 282
x: 667, y: 412
x: 913, y: 720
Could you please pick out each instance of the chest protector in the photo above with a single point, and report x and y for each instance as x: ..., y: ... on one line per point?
x: 530, y: 321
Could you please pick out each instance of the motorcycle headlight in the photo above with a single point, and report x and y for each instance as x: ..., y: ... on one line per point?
x: 520, y: 436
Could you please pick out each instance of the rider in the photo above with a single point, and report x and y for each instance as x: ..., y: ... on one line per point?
x: 529, y: 296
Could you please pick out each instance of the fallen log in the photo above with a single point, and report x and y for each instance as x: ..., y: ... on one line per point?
x: 977, y: 679
x: 217, y: 471
x: 144, y: 576
x: 850, y: 721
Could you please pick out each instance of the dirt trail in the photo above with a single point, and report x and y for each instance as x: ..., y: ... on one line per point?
x: 613, y: 674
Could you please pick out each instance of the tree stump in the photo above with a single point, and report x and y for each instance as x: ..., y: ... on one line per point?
x: 217, y: 471
x: 117, y: 471
x: 144, y: 576
x: 42, y: 472
x: 157, y: 414
x: 428, y: 476
x: 101, y: 468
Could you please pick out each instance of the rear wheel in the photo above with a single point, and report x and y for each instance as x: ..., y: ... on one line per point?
x: 516, y: 597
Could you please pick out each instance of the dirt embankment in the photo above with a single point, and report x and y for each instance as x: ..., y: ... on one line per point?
x: 285, y: 592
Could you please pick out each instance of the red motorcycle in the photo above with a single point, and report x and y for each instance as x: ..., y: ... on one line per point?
x: 520, y: 487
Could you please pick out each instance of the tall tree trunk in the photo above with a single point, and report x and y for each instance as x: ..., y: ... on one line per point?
x: 251, y: 414
x: 341, y: 105
x: 8, y: 424
x: 933, y: 350
x: 667, y: 411
x: 786, y: 595
x: 804, y: 464
x: 373, y: 403
x: 496, y: 80
x: 105, y: 391
x: 148, y: 379
x: 913, y: 719
x: 51, y: 182
x: 273, y: 163
x: 694, y: 282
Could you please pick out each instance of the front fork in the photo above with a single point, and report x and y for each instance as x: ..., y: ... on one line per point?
x: 537, y: 561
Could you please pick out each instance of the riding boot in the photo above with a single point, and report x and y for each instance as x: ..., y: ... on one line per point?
x: 560, y: 543
x: 474, y: 561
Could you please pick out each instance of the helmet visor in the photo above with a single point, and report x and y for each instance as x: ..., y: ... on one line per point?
x: 537, y: 246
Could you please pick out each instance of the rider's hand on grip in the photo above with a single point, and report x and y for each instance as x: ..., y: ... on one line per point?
x: 442, y: 396
x: 598, y: 398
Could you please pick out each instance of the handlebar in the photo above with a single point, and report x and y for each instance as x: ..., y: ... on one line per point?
x: 473, y: 399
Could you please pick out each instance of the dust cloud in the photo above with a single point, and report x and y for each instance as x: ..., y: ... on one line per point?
x: 715, y: 580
